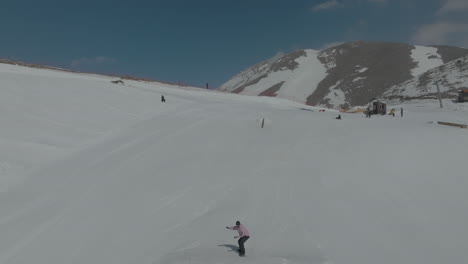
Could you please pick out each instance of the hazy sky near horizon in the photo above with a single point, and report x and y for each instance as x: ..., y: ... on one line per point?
x: 208, y: 41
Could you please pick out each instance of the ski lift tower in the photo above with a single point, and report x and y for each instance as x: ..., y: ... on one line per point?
x: 438, y: 92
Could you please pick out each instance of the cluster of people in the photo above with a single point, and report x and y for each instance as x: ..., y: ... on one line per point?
x: 369, y: 112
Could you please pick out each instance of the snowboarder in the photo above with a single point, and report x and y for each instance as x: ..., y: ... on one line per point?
x: 393, y: 112
x: 163, y: 99
x: 243, y: 236
x: 338, y: 117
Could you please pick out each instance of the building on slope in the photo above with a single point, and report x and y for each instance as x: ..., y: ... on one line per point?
x: 463, y: 95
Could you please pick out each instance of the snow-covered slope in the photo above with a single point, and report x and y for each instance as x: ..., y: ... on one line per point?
x: 95, y: 172
x: 426, y: 59
x: 292, y: 77
x: 451, y: 77
x: 341, y: 76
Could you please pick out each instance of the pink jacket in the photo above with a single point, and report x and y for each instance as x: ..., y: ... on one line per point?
x: 241, y: 230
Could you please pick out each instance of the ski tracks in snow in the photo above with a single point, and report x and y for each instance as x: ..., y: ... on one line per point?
x: 48, y: 204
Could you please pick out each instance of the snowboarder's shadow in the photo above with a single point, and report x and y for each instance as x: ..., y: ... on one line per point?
x: 231, y: 247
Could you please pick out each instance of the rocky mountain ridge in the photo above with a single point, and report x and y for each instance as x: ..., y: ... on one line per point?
x: 346, y: 75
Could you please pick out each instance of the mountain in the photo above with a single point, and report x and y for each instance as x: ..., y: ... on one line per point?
x: 451, y: 77
x: 346, y: 75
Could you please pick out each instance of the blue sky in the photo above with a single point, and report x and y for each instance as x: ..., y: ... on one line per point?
x: 200, y: 41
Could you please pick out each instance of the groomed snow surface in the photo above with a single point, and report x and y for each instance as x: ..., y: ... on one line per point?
x: 95, y: 172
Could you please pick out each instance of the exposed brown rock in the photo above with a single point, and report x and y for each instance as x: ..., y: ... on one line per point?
x: 254, y: 81
x: 288, y: 62
x: 451, y: 77
x: 388, y: 64
x: 263, y: 69
x: 361, y: 70
x: 272, y: 90
x: 450, y: 53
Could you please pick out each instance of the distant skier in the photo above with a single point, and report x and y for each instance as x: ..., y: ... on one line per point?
x: 402, y: 111
x: 393, y: 112
x: 243, y: 236
x: 368, y: 112
x: 338, y: 117
x: 163, y: 99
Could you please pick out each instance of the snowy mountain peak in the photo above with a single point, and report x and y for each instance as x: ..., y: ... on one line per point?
x: 341, y: 76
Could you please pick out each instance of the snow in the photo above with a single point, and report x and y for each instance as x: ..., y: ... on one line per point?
x: 246, y: 76
x: 298, y: 83
x: 362, y: 69
x: 426, y: 59
x: 358, y: 79
x: 94, y: 172
x: 451, y: 76
x: 455, y: 76
x: 330, y: 58
x: 336, y: 97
